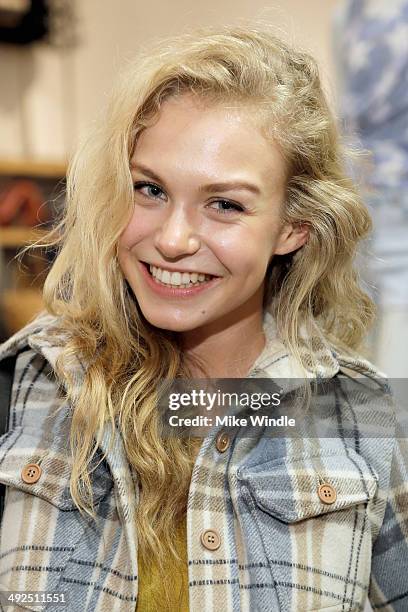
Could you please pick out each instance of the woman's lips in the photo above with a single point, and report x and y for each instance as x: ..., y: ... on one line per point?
x: 167, y: 291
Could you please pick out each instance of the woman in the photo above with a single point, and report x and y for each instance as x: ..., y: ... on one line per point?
x: 210, y: 232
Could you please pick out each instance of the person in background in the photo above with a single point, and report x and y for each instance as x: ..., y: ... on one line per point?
x: 371, y: 41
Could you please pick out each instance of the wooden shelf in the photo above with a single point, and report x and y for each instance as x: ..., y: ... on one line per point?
x: 33, y: 168
x: 16, y: 237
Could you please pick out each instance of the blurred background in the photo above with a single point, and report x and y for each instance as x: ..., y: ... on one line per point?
x: 59, y: 58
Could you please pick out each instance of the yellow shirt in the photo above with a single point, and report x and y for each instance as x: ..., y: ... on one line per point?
x: 152, y: 586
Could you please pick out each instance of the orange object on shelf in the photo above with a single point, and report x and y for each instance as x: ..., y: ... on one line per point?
x: 23, y: 202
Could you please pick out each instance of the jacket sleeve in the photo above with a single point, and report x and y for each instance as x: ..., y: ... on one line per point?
x: 389, y: 569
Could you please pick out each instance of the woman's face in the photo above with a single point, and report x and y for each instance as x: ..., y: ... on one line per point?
x: 209, y: 191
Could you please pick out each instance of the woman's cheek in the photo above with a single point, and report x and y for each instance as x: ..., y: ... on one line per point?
x: 135, y: 231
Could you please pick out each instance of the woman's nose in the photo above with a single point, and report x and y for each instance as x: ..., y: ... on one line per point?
x: 177, y: 236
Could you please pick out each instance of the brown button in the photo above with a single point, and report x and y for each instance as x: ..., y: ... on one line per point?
x: 210, y: 539
x: 31, y: 473
x: 222, y: 441
x: 327, y: 493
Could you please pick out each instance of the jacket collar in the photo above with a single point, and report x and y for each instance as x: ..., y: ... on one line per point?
x: 36, y: 335
x: 276, y: 362
x: 273, y: 362
x: 44, y: 336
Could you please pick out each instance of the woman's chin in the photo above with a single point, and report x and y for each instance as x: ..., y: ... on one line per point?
x: 173, y: 324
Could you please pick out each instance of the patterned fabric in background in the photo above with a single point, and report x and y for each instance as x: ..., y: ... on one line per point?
x: 371, y: 37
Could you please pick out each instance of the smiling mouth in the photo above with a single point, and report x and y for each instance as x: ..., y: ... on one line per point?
x: 177, y: 279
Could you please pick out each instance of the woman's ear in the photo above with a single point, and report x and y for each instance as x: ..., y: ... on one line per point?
x: 291, y: 238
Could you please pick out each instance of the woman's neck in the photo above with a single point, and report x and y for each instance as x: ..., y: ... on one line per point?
x: 226, y: 352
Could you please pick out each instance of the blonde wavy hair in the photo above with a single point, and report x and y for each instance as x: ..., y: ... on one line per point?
x: 315, y: 289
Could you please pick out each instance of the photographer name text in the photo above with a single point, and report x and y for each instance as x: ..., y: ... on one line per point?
x: 254, y: 420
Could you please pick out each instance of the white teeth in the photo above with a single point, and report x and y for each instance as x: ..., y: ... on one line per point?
x: 175, y: 278
x: 178, y: 279
x: 165, y: 277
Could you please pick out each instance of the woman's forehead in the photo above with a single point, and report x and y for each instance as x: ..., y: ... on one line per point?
x: 209, y: 139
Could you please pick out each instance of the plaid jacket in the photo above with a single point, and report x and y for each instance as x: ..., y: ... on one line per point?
x: 281, y: 547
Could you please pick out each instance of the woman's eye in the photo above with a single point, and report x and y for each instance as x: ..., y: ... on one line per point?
x: 150, y: 190
x: 226, y: 207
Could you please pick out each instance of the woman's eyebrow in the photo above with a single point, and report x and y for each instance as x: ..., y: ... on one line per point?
x: 230, y: 186
x: 146, y: 171
x: 210, y: 188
